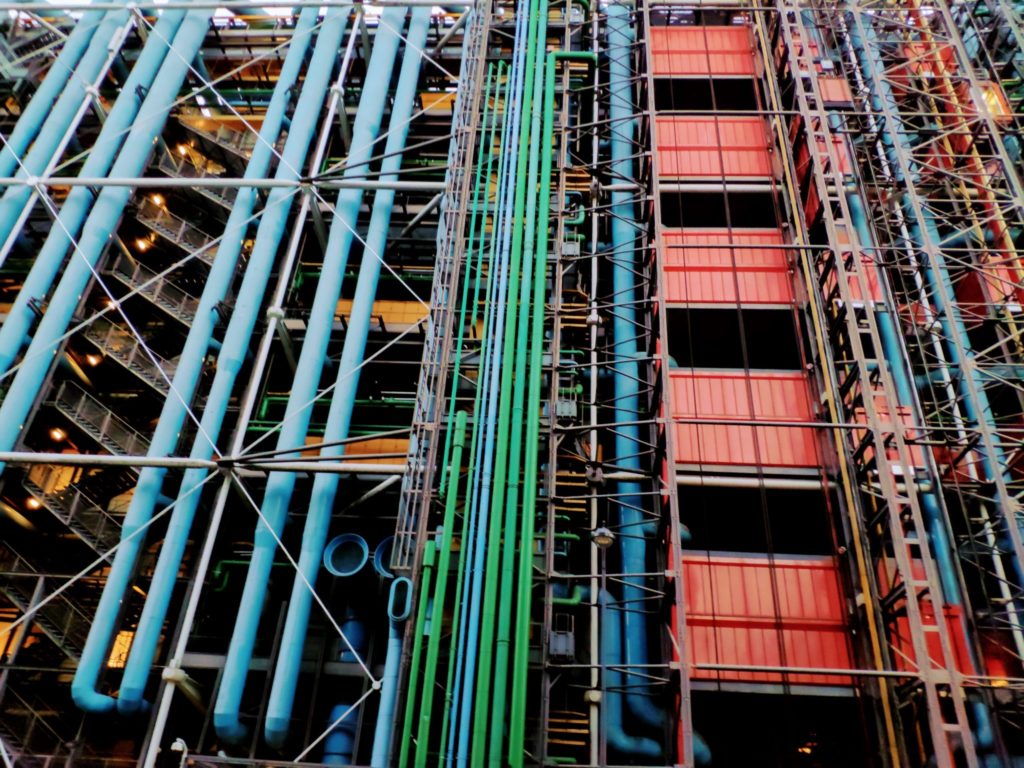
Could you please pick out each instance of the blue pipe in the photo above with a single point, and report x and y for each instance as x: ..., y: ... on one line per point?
x: 399, y: 608
x: 325, y: 486
x: 37, y: 114
x: 186, y: 376
x: 940, y: 283
x: 304, y: 387
x: 341, y: 741
x: 633, y: 529
x: 95, y: 235
x: 613, y: 712
x: 60, y: 120
x: 48, y: 262
x: 462, y: 710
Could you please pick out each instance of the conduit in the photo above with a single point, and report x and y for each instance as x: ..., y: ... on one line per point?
x: 38, y: 114
x: 48, y: 262
x: 399, y: 607
x: 632, y: 529
x: 189, y: 369
x: 61, y: 122
x: 304, y: 387
x: 95, y: 235
x: 318, y: 518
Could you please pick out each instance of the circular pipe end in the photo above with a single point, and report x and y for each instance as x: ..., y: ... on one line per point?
x: 345, y: 555
x: 382, y: 558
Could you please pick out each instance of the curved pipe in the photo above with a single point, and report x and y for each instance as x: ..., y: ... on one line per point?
x: 98, y: 228
x: 50, y: 258
x: 633, y: 528
x: 346, y: 555
x: 186, y: 379
x: 61, y: 122
x: 382, y: 558
x: 325, y: 487
x: 399, y: 608
x: 37, y: 115
x: 611, y: 685
x: 304, y: 387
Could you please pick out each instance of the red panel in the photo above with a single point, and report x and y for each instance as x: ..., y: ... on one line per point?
x: 699, y: 270
x: 701, y: 51
x: 752, y: 611
x: 727, y: 395
x: 713, y: 146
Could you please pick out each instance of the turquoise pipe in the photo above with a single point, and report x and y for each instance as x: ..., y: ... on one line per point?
x: 339, y: 418
x: 303, y: 391
x: 341, y: 741
x: 50, y: 258
x: 96, y: 233
x: 633, y: 529
x: 523, y: 591
x: 399, y: 607
x: 612, y: 710
x: 60, y: 122
x: 186, y: 379
x: 37, y: 114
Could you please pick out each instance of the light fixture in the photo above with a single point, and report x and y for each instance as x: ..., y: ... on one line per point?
x: 93, y: 359
x: 142, y: 244
x: 182, y: 150
x: 158, y: 199
x: 602, y: 537
x: 58, y: 435
x: 33, y: 503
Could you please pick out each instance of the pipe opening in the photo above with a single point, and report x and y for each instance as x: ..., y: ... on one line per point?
x: 346, y: 555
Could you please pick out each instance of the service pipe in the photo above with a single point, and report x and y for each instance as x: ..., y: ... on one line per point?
x: 61, y: 123
x: 304, y: 388
x: 339, y: 418
x: 95, y: 235
x: 633, y: 529
x: 189, y: 369
x: 50, y: 258
x: 38, y: 113
x: 399, y: 608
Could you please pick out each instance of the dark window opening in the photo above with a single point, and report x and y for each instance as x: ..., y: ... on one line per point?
x: 708, y: 209
x: 727, y: 94
x: 710, y: 338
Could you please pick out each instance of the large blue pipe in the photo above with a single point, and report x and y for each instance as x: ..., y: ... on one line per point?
x: 37, y: 114
x: 96, y: 233
x: 186, y: 379
x: 325, y: 487
x: 399, y: 607
x: 626, y: 261
x: 61, y: 121
x: 47, y: 263
x: 307, y: 376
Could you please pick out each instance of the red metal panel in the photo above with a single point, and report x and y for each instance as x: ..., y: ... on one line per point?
x: 701, y: 51
x: 734, y: 395
x: 699, y: 270
x: 758, y: 612
x: 713, y: 146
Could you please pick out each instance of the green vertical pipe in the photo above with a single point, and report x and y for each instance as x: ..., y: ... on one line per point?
x: 517, y: 724
x: 495, y: 748
x: 488, y: 688
x: 429, y: 554
x: 465, y: 283
x: 407, y: 725
x: 440, y: 590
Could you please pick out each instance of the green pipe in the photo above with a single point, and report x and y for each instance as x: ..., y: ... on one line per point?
x: 466, y: 281
x: 429, y: 553
x: 576, y: 598
x: 440, y: 591
x: 517, y: 723
x: 491, y: 683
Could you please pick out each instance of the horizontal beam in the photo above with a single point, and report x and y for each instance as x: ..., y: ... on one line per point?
x: 255, y: 5
x: 176, y: 462
x: 147, y: 182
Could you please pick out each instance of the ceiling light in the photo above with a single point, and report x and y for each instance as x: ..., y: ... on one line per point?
x: 602, y: 537
x: 58, y: 435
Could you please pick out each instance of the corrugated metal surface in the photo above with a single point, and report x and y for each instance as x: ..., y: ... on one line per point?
x: 727, y: 395
x: 713, y: 146
x: 699, y: 270
x: 752, y: 611
x: 701, y: 51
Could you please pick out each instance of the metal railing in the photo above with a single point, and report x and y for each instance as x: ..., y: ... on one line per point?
x: 75, y: 508
x: 240, y: 142
x: 95, y: 418
x: 187, y: 167
x: 160, y: 290
x: 176, y: 230
x: 123, y: 347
